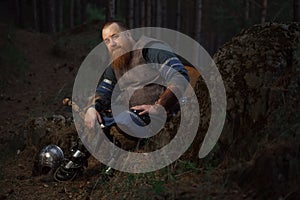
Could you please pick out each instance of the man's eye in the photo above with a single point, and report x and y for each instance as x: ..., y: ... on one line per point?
x: 115, y: 36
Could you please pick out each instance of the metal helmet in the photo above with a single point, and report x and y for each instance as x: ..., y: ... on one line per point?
x: 48, y: 159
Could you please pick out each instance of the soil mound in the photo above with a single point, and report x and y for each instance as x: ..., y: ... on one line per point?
x: 260, y: 70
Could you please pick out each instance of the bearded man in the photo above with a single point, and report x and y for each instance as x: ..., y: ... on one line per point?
x: 151, y: 92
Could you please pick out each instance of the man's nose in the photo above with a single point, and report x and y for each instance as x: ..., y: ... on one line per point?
x: 112, y: 43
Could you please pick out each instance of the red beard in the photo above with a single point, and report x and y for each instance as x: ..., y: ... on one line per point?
x: 121, y: 63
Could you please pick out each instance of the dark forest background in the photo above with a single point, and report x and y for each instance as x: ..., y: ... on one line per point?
x: 210, y: 22
x: 252, y: 42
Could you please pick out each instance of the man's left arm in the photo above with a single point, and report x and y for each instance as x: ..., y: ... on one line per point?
x: 172, y: 70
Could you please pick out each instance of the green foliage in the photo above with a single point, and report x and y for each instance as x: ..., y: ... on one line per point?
x: 183, y: 166
x: 157, y: 186
x: 94, y: 13
x: 131, y: 178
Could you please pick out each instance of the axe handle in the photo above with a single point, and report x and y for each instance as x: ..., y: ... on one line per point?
x: 68, y: 102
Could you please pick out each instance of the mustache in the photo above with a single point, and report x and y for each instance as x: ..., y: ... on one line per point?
x: 118, y: 52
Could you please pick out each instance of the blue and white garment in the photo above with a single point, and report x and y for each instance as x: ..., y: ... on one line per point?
x: 171, y: 70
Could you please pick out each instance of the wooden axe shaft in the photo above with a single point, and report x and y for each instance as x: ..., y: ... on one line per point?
x: 68, y: 102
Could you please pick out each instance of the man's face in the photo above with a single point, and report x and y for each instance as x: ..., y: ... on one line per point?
x: 117, y: 42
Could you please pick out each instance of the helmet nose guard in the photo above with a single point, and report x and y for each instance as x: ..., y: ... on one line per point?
x: 47, y: 160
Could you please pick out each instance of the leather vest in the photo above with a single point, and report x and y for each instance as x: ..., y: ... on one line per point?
x: 142, y: 84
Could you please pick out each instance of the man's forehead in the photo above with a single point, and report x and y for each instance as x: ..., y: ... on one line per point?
x: 110, y: 30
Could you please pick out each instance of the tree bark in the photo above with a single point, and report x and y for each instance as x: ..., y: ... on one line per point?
x: 43, y: 6
x: 35, y: 16
x: 197, y: 29
x: 187, y: 18
x: 158, y: 13
x: 111, y: 10
x: 60, y: 15
x: 148, y: 13
x: 296, y: 11
x: 83, y: 10
x: 198, y: 19
x: 263, y: 11
x: 52, y: 16
x: 71, y: 13
x: 247, y: 9
x: 78, y: 12
x: 18, y: 12
x: 178, y: 15
x: 131, y: 14
x: 164, y: 13
x: 178, y: 24
x: 143, y: 14
x: 137, y: 16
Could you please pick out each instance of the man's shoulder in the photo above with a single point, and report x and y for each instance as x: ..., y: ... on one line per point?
x: 147, y: 42
x: 154, y: 43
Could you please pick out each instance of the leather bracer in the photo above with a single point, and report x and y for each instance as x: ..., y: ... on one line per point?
x: 168, y: 99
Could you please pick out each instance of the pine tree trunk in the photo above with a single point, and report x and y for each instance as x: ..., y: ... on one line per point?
x: 71, y: 13
x: 83, y: 10
x: 178, y: 15
x: 247, y: 10
x: 143, y: 14
x: 60, y: 16
x: 18, y: 12
x: 164, y: 13
x: 78, y: 12
x: 137, y: 16
x: 131, y: 14
x: 263, y: 11
x: 148, y: 13
x: 197, y: 29
x: 52, y: 16
x: 153, y: 13
x: 111, y: 9
x: 178, y: 24
x: 35, y: 16
x: 43, y: 7
x: 158, y: 13
x: 198, y: 19
x: 187, y: 18
x: 296, y: 11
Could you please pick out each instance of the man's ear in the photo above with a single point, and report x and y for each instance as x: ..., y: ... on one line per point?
x: 128, y: 33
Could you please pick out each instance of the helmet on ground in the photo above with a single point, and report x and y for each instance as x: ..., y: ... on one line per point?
x: 47, y: 160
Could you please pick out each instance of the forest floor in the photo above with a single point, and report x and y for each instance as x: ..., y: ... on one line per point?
x: 37, y: 72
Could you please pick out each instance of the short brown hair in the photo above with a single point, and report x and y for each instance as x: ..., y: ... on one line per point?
x: 121, y: 25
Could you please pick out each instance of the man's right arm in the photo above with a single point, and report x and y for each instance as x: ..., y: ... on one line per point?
x: 104, y: 92
x: 90, y: 117
x: 105, y: 89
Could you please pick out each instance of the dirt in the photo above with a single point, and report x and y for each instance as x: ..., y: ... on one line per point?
x: 34, y: 96
x: 26, y: 95
x: 37, y: 93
